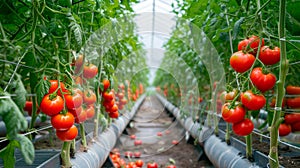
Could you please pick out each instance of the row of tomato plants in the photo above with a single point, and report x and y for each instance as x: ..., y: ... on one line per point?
x: 255, y: 75
x: 47, y: 68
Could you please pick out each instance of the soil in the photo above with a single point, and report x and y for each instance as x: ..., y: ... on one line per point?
x: 150, y: 119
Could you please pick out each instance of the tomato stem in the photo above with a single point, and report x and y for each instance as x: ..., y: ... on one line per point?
x: 249, y: 141
x: 65, y: 155
x: 283, y: 69
x: 227, y: 135
x: 83, y: 138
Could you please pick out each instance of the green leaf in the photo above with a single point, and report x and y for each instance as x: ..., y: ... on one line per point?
x: 76, y: 29
x: 8, y: 154
x: 236, y: 27
x: 42, y: 88
x: 27, y: 148
x: 20, y: 91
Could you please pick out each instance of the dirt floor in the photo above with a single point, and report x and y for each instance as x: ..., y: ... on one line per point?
x: 157, y: 129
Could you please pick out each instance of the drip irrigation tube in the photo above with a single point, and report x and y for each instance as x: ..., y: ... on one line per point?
x: 218, y: 152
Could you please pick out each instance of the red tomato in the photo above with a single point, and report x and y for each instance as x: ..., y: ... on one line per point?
x: 137, y: 154
x: 90, y: 71
x: 152, y: 165
x: 252, y: 42
x: 261, y: 81
x: 121, y: 86
x: 108, y: 104
x: 269, y: 56
x: 253, y: 101
x: 132, y: 136
x: 243, y: 128
x: 159, y: 134
x: 233, y: 115
x: 128, y: 154
x: 171, y: 166
x: 123, y: 101
x: 67, y: 135
x: 175, y: 142
x: 293, y: 102
x: 296, y: 126
x: 106, y: 84
x: 113, y: 109
x: 76, y: 111
x: 131, y: 164
x: 114, y: 114
x: 52, y: 104
x: 62, y: 122
x: 73, y: 100
x: 138, y: 142
x: 54, y: 87
x: 292, y: 118
x: 139, y: 163
x: 81, y: 117
x: 284, y: 129
x: 89, y: 97
x: 120, y: 95
x: 108, y: 96
x: 90, y: 112
x: 293, y: 90
x: 28, y: 108
x: 114, y: 157
x: 241, y: 62
x: 79, y: 61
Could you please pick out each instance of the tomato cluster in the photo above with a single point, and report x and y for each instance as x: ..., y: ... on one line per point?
x: 120, y: 162
x: 109, y: 101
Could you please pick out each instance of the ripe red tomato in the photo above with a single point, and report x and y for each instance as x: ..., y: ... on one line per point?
x: 76, y: 111
x: 296, y: 126
x: 106, y: 84
x: 113, y: 109
x: 159, y: 134
x: 234, y: 114
x: 108, y: 96
x: 81, y: 117
x: 79, y: 61
x: 293, y: 90
x: 292, y: 118
x: 293, y: 102
x: 128, y: 154
x: 230, y: 95
x: 284, y: 129
x: 269, y: 56
x: 243, y: 128
x: 131, y: 165
x: 253, y: 101
x: 138, y: 142
x: 241, y: 62
x: 89, y: 97
x: 175, y: 142
x: 152, y: 165
x: 52, y: 104
x: 73, y: 100
x: 120, y: 95
x: 139, y: 163
x: 28, y: 108
x: 123, y: 101
x: 108, y: 104
x: 171, y: 166
x: 114, y: 114
x: 62, y: 122
x: 67, y: 135
x: 251, y: 43
x: 261, y: 81
x: 54, y: 87
x: 132, y: 136
x: 90, y: 71
x: 90, y: 111
x: 137, y: 154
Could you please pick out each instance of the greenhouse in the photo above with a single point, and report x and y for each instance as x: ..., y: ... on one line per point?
x: 149, y: 84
